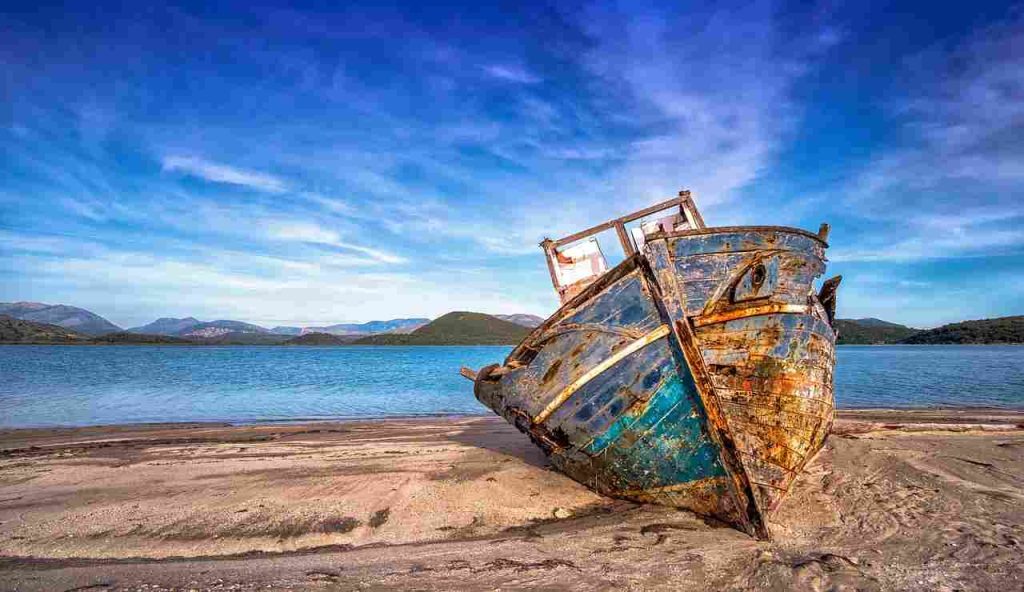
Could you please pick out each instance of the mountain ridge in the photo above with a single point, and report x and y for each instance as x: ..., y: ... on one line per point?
x: 72, y: 324
x: 456, y: 328
x: 76, y: 319
x: 14, y: 330
x: 219, y: 328
x: 86, y: 322
x: 996, y: 331
x: 166, y: 326
x: 870, y: 331
x: 403, y: 325
x: 526, y: 320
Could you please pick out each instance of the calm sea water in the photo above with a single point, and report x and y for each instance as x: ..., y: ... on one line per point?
x: 77, y: 385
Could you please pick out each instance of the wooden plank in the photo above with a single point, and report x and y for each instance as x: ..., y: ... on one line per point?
x: 750, y: 311
x: 615, y: 358
x: 549, y: 256
x: 690, y: 210
x: 623, y: 220
x: 650, y: 210
x: 584, y: 233
x: 627, y: 243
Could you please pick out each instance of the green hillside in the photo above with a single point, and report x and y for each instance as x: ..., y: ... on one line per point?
x: 456, y: 328
x: 79, y: 320
x: 14, y: 330
x: 128, y: 338
x: 870, y: 331
x: 1003, y: 330
x: 318, y: 339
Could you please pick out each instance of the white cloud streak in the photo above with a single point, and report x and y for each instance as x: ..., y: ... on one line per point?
x: 965, y: 123
x: 950, y: 187
x: 221, y: 173
x: 210, y: 283
x: 716, y: 99
x: 511, y: 74
x: 312, y: 233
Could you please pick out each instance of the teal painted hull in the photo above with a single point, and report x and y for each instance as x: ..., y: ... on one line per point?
x: 615, y: 387
x: 638, y: 430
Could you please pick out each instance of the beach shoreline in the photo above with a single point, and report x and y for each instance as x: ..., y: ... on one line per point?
x: 910, y: 414
x: 898, y: 499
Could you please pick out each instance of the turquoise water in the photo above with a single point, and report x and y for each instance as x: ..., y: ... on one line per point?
x: 78, y: 385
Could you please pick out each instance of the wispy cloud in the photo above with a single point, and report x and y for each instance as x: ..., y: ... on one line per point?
x: 216, y: 283
x: 383, y: 135
x: 511, y: 74
x: 950, y: 185
x: 714, y: 103
x: 313, y: 233
x: 935, y: 245
x: 961, y: 135
x: 221, y: 173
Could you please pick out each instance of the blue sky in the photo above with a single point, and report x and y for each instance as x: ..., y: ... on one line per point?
x: 289, y: 164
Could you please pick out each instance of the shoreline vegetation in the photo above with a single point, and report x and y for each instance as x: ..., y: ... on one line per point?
x: 896, y: 500
x: 997, y: 331
x: 20, y: 323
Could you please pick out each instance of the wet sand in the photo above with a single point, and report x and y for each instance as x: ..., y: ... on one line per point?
x: 897, y: 500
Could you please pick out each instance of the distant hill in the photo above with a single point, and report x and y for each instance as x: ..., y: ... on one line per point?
x: 371, y: 328
x: 193, y: 328
x: 128, y: 338
x: 1004, y: 330
x: 14, y: 330
x: 870, y: 331
x: 167, y: 326
x: 873, y: 322
x: 286, y: 330
x: 456, y: 328
x: 239, y: 338
x: 69, y: 317
x: 526, y: 320
x: 214, y: 329
x: 318, y: 339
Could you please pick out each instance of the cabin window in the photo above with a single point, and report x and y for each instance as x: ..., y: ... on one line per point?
x: 577, y: 260
x: 673, y: 223
x: 578, y: 265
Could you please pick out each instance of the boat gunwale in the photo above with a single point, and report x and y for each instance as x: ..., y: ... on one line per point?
x: 727, y: 229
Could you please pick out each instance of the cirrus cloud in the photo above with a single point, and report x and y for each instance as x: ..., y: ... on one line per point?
x: 222, y: 173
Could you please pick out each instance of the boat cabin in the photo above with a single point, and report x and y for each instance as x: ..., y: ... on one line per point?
x: 575, y: 261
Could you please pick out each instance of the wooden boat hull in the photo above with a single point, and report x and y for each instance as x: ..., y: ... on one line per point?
x: 770, y: 350
x: 653, y: 384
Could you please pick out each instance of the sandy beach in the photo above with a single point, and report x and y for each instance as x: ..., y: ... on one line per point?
x: 898, y: 500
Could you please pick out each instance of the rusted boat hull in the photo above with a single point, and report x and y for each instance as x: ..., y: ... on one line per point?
x: 765, y: 338
x: 697, y: 374
x: 604, y: 389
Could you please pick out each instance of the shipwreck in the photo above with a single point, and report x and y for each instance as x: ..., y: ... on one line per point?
x: 696, y: 373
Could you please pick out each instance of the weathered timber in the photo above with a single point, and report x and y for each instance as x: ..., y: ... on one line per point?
x: 696, y: 373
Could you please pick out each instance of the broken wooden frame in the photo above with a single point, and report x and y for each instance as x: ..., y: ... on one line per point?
x: 687, y: 213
